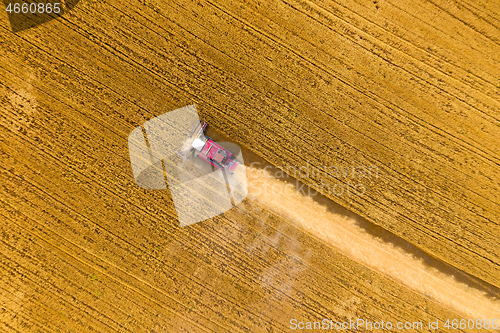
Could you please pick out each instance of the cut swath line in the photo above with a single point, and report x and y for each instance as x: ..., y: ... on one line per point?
x: 343, y: 233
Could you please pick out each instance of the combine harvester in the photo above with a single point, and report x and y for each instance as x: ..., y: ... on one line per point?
x: 207, y: 149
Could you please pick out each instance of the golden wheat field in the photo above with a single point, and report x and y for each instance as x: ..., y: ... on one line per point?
x: 370, y: 131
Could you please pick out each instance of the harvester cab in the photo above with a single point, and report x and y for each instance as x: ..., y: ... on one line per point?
x: 208, y: 150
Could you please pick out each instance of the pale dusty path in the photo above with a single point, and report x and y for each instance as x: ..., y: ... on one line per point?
x: 343, y: 233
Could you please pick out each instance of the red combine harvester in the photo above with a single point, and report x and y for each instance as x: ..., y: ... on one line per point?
x: 208, y: 149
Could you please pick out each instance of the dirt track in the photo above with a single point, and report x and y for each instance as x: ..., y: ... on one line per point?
x: 378, y: 250
x: 411, y: 88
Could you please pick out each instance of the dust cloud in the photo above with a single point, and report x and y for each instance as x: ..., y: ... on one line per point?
x: 344, y: 233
